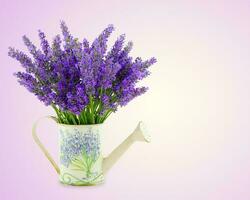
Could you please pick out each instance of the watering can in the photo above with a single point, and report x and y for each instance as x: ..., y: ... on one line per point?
x: 81, y: 159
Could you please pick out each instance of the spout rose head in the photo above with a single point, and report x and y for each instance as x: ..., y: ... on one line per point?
x: 141, y: 132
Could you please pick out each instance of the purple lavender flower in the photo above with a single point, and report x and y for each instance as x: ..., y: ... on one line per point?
x: 82, y: 78
x: 27, y: 81
x: 44, y: 43
x: 100, y: 44
x: 116, y: 49
x: 25, y: 61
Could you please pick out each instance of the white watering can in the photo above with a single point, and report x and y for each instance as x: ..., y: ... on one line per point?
x: 81, y: 160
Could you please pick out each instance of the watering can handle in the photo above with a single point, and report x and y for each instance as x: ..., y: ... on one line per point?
x: 42, y: 147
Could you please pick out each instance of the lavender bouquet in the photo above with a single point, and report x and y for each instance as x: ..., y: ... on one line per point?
x: 84, y: 83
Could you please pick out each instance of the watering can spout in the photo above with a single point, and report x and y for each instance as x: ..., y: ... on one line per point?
x: 139, y: 134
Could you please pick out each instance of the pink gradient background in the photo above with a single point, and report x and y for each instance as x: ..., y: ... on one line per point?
x: 197, y: 109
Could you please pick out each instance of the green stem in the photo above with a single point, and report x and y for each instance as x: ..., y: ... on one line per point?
x: 72, y: 118
x: 106, y: 115
x: 89, y: 115
x: 92, y: 113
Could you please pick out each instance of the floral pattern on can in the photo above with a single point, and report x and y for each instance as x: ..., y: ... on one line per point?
x: 80, y: 151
